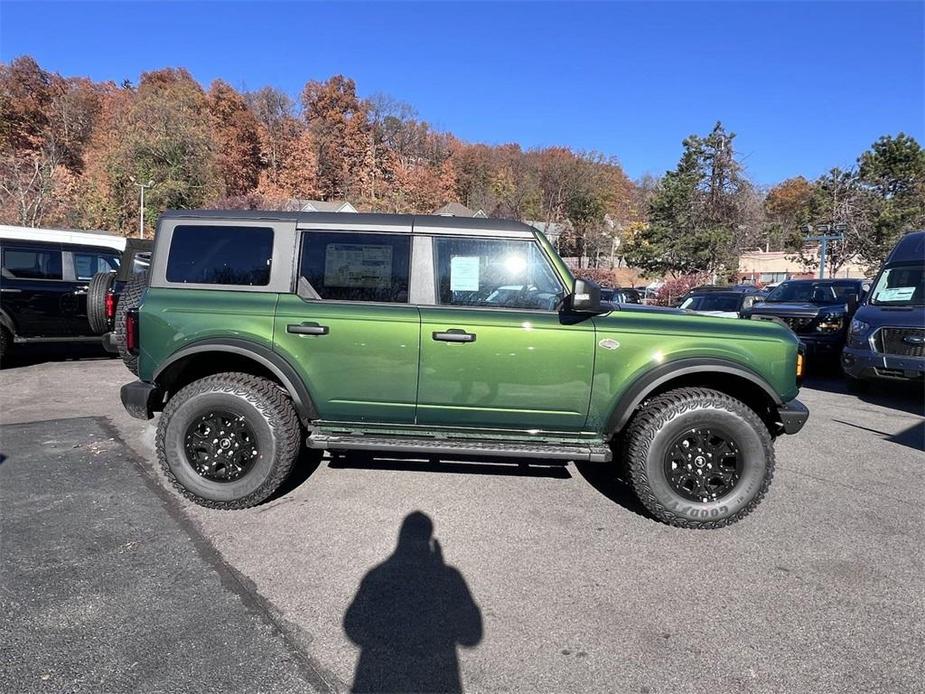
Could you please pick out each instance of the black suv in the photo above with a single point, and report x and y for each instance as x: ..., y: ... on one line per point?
x: 817, y: 310
x: 44, y: 280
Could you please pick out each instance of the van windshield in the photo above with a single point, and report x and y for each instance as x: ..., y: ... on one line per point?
x: 901, y: 285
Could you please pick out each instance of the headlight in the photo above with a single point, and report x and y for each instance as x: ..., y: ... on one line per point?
x: 859, y: 327
x: 830, y: 323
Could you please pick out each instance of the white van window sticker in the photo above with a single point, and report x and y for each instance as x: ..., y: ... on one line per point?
x: 895, y: 294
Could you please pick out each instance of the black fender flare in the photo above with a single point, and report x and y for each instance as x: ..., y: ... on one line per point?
x: 261, y: 354
x: 643, y: 386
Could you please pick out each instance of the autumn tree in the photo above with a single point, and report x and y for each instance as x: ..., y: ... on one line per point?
x: 236, y: 137
x: 337, y: 121
x: 786, y: 208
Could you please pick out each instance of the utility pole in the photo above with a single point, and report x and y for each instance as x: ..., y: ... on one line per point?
x: 141, y: 205
x: 824, y: 237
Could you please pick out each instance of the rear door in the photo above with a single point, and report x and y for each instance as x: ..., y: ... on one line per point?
x: 33, y: 289
x: 81, y: 263
x: 349, y: 329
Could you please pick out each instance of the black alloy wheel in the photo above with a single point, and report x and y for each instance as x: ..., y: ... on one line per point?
x: 703, y: 464
x: 221, y: 446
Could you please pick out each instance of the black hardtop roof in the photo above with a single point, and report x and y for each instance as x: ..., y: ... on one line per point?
x: 358, y: 218
x: 911, y: 248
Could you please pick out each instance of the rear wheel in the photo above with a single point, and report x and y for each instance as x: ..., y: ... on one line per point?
x: 699, y: 458
x: 96, y: 301
x: 130, y: 298
x: 228, y: 441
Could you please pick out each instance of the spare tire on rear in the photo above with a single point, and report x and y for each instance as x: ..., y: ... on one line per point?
x: 131, y: 297
x: 96, y: 301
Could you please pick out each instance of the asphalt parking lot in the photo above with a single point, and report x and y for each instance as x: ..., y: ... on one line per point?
x: 538, y: 578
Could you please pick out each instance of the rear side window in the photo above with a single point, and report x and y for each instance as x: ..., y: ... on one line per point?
x: 32, y: 263
x: 220, y: 255
x: 357, y: 267
x: 88, y: 264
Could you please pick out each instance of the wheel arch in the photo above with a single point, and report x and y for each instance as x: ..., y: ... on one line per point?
x: 208, y: 357
x: 719, y: 374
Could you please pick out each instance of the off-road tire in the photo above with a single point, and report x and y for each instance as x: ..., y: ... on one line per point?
x: 6, y: 344
x: 96, y: 301
x: 268, y: 411
x: 667, y: 416
x: 130, y: 298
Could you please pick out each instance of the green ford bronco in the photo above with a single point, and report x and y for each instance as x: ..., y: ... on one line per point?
x: 258, y: 334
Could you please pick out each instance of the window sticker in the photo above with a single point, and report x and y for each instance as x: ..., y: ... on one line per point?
x: 464, y: 273
x: 358, y: 265
x: 895, y: 294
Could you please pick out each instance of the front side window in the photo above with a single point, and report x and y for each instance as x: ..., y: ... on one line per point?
x: 32, y: 263
x: 87, y: 264
x: 357, y: 267
x: 220, y: 255
x: 495, y: 273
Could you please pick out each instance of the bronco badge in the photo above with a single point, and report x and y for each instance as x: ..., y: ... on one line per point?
x: 607, y: 343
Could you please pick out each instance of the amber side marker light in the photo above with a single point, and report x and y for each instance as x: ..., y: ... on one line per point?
x: 800, y: 365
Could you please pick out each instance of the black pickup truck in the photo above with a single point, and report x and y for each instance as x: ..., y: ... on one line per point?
x: 817, y: 310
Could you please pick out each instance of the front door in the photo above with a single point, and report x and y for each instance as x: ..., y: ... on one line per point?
x: 349, y: 331
x: 495, y: 352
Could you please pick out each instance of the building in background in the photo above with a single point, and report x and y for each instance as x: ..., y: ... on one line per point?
x: 321, y: 206
x: 457, y: 209
x: 771, y: 267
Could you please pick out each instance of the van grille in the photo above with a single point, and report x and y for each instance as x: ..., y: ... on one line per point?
x: 905, y: 342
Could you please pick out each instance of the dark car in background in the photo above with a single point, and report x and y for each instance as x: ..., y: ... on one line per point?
x: 44, y: 279
x: 886, y: 338
x: 817, y: 310
x: 106, y: 287
x: 722, y: 302
x: 618, y: 295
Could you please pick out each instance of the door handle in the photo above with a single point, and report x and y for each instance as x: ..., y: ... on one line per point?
x: 307, y: 329
x: 454, y: 335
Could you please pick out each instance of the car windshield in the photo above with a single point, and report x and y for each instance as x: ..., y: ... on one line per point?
x: 712, y: 302
x: 900, y: 286
x: 814, y: 292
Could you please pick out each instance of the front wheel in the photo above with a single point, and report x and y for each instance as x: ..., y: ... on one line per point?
x: 228, y: 441
x: 699, y: 458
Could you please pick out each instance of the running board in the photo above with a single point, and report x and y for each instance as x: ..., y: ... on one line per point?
x: 595, y: 453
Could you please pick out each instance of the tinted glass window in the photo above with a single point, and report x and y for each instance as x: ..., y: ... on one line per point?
x: 357, y: 267
x: 712, y: 302
x: 815, y: 292
x: 495, y: 273
x: 32, y: 263
x: 220, y: 255
x: 87, y: 264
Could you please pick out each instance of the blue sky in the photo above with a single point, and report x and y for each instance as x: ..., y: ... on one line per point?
x: 806, y: 86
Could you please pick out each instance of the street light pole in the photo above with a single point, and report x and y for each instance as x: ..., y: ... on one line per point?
x: 141, y: 205
x: 823, y: 239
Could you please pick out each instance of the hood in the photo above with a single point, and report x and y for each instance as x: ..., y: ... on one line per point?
x: 895, y: 316
x: 784, y: 308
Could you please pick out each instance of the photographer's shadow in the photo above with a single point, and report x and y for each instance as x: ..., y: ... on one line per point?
x: 409, y: 615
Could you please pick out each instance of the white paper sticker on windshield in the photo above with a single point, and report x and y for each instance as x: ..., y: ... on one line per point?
x: 895, y: 294
x: 464, y: 273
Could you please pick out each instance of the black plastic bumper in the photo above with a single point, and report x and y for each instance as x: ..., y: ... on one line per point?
x: 793, y: 416
x: 141, y: 399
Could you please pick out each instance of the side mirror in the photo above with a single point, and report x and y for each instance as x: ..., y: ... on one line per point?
x: 586, y: 298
